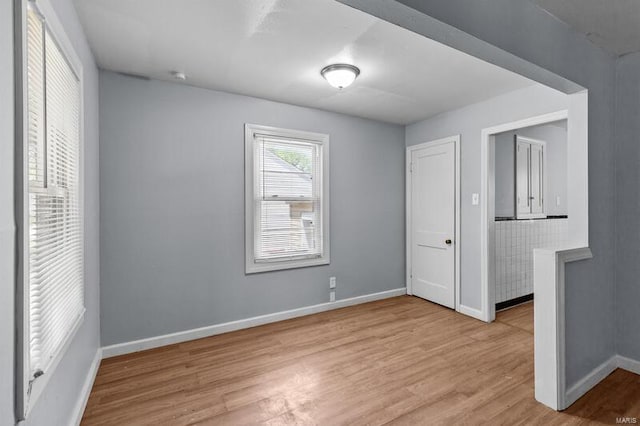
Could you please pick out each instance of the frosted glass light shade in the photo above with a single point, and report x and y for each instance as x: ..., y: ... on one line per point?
x: 340, y: 75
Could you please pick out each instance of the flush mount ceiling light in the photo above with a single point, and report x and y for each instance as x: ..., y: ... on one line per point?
x: 340, y: 75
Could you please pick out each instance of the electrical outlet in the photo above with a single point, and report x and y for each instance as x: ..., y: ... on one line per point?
x: 558, y: 200
x: 332, y: 282
x: 332, y: 296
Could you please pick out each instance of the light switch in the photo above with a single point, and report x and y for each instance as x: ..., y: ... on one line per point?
x: 558, y: 200
x: 475, y: 199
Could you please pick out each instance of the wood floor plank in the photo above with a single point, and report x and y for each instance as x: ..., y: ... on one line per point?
x: 520, y: 316
x: 401, y: 360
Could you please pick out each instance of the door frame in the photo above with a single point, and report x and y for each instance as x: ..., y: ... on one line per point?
x: 487, y: 201
x: 457, y: 238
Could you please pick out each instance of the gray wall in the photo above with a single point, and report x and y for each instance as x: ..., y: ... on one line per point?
x: 522, y: 31
x: 627, y: 139
x: 56, y: 404
x: 7, y: 227
x: 469, y: 122
x: 172, y: 200
x: 555, y: 168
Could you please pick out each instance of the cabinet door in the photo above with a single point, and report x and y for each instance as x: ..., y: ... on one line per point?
x: 536, y: 161
x: 523, y: 153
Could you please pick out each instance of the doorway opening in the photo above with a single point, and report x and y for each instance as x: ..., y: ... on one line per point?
x: 530, y: 205
x: 576, y: 200
x: 546, y: 264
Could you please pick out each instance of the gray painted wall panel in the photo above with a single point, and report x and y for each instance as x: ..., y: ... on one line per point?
x: 555, y: 168
x: 172, y: 218
x: 521, y: 29
x: 627, y: 140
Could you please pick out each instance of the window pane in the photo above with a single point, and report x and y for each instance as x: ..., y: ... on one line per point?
x: 287, y: 169
x: 63, y: 112
x: 288, y: 228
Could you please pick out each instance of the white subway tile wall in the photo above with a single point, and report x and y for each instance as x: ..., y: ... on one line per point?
x: 514, y: 244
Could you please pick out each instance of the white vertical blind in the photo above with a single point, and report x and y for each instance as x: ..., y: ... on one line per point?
x: 55, y: 234
x: 288, y: 199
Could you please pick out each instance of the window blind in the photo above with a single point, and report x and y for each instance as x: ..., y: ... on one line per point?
x: 55, y: 227
x: 288, y: 199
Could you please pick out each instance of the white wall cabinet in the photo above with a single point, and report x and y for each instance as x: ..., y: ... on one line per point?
x: 530, y: 177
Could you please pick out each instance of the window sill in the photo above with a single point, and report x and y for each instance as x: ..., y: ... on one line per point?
x: 254, y: 268
x: 532, y: 216
x: 39, y: 385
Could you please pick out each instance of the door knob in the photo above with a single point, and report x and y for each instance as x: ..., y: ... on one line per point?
x: 448, y: 242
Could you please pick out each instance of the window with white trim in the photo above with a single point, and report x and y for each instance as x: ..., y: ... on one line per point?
x: 287, y: 198
x: 53, y: 237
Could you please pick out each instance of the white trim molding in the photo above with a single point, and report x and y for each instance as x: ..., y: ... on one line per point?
x: 549, y: 323
x: 212, y: 330
x: 628, y: 364
x: 81, y: 404
x: 472, y: 312
x: 458, y: 236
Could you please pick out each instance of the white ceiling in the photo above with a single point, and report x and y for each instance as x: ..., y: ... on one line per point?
x: 614, y: 25
x: 274, y: 49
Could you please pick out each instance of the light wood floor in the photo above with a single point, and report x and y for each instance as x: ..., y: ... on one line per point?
x: 401, y: 360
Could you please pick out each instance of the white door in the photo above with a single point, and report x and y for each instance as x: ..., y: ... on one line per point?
x: 433, y: 188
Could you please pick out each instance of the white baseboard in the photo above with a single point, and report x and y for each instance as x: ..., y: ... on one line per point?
x: 472, y: 312
x: 628, y: 364
x: 81, y: 404
x: 198, y: 333
x: 590, y: 380
x: 598, y: 374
